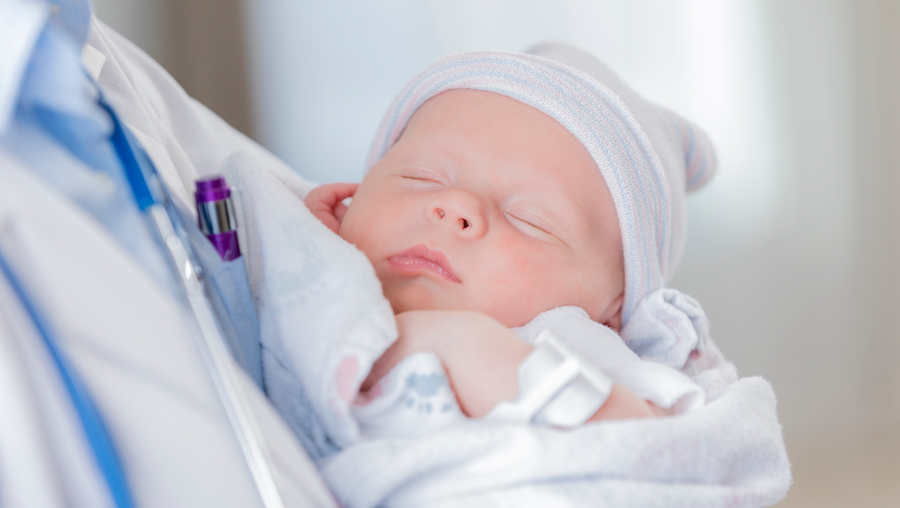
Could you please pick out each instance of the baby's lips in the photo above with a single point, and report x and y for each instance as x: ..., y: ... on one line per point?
x: 421, y: 257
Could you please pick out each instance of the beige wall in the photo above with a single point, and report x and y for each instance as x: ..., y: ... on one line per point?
x: 200, y: 42
x: 815, y: 305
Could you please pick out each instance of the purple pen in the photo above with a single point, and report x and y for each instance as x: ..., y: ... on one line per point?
x: 215, y: 216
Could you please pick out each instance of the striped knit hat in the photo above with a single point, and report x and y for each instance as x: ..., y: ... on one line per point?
x: 649, y: 156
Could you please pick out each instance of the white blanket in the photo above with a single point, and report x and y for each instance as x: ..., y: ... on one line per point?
x: 726, y: 453
x: 324, y: 321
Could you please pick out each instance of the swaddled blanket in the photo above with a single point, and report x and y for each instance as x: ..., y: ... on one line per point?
x: 323, y: 322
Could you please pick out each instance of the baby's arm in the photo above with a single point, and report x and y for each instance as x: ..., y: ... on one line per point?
x: 482, y: 358
x: 480, y: 355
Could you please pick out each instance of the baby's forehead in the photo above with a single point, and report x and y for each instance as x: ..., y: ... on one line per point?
x: 470, y: 126
x: 476, y: 107
x: 496, y: 118
x: 502, y: 122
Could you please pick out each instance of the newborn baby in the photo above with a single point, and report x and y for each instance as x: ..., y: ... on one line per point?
x: 484, y: 204
x: 486, y: 212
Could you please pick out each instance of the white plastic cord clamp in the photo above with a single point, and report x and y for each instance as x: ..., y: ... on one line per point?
x: 556, y: 387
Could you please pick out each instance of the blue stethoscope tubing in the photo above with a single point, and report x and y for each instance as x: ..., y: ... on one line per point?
x: 155, y: 203
x: 101, y: 444
x: 168, y: 226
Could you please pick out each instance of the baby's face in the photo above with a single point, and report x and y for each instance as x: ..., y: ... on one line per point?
x: 487, y: 204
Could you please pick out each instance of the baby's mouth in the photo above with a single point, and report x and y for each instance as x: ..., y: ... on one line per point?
x: 421, y: 258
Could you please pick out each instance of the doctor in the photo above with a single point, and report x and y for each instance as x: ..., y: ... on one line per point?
x: 107, y: 395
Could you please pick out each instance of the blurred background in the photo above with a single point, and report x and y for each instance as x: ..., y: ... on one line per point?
x: 793, y: 247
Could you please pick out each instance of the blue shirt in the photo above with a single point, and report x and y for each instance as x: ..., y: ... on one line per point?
x: 51, y: 120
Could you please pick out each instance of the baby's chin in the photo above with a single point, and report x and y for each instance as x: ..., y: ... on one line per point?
x: 423, y: 294
x: 422, y: 297
x: 414, y: 297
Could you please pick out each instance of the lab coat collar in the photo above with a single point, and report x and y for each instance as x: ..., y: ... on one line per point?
x: 21, y: 24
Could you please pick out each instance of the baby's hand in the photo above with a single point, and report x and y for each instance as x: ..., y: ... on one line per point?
x: 326, y: 203
x: 477, y: 351
x: 420, y: 331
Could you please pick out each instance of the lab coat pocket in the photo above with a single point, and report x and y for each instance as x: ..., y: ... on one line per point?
x: 227, y: 287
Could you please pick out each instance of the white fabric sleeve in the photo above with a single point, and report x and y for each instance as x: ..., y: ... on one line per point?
x: 556, y: 387
x: 413, y: 399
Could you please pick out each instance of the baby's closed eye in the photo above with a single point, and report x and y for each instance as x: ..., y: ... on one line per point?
x: 423, y: 178
x: 532, y: 225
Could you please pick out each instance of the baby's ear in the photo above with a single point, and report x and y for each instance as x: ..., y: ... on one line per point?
x: 326, y: 203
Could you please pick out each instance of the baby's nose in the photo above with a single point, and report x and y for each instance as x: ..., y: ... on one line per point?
x: 460, y: 211
x: 461, y: 221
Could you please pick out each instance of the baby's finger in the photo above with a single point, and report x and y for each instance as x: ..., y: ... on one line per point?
x: 337, y: 192
x: 325, y: 203
x: 339, y: 211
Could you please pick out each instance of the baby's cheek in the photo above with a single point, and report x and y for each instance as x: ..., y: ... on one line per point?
x: 511, y: 293
x: 357, y: 231
x: 522, y: 266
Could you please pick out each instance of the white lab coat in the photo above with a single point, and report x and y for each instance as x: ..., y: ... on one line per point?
x: 127, y: 336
